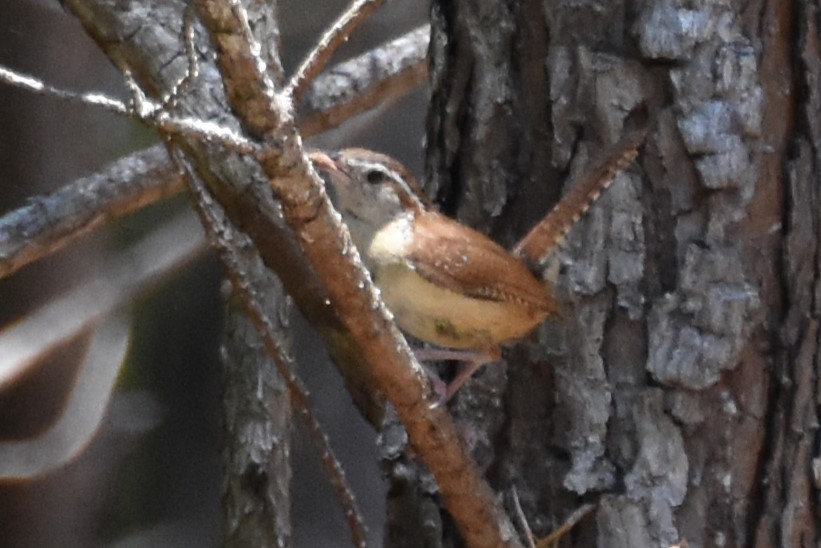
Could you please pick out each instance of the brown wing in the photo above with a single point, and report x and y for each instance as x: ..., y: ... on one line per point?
x: 463, y: 260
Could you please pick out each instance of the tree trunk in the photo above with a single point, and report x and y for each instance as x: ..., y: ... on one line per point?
x: 678, y: 391
x: 678, y: 388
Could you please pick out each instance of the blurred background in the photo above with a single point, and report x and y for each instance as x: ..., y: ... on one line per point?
x: 151, y: 475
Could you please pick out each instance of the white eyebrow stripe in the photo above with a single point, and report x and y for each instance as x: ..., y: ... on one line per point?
x: 392, y: 175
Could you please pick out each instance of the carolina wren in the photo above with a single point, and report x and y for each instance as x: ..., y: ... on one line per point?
x: 444, y: 282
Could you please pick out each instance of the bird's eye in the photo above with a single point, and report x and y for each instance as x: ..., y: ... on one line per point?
x: 375, y: 176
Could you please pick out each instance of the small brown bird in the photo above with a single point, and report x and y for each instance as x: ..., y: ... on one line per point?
x: 444, y: 282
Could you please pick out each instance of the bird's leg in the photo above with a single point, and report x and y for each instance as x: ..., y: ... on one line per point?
x: 471, y: 360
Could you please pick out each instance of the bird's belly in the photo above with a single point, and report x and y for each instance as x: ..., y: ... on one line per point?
x: 446, y: 318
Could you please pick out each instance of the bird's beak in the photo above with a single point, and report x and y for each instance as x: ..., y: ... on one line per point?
x: 322, y: 161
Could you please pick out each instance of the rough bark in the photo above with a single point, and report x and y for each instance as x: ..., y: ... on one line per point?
x: 256, y: 420
x: 679, y: 389
x: 312, y: 261
x: 257, y: 470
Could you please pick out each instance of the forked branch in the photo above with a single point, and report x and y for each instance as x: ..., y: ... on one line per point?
x: 48, y: 223
x: 326, y: 246
x: 210, y: 214
x: 335, y: 36
x: 363, y: 322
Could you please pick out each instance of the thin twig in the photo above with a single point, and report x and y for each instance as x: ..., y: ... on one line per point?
x: 170, y: 100
x: 47, y: 223
x: 362, y: 327
x: 335, y: 36
x: 569, y: 523
x: 37, y: 86
x: 520, y: 514
x: 241, y: 16
x: 350, y: 88
x: 381, y: 75
x: 145, y: 111
x: 206, y: 208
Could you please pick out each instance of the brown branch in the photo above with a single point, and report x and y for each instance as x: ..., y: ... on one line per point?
x: 553, y: 538
x: 367, y: 328
x: 140, y: 109
x: 48, y: 223
x: 234, y: 178
x: 219, y: 236
x: 237, y: 58
x: 519, y: 513
x: 374, y: 78
x: 337, y: 34
x: 314, y: 261
x: 170, y: 99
